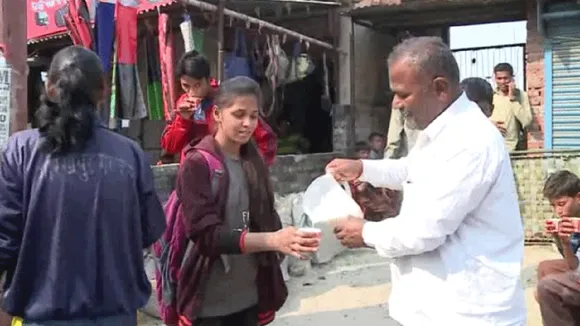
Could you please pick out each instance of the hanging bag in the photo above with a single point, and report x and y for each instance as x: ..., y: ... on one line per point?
x: 237, y: 63
x: 279, y: 63
x: 257, y: 61
x: 325, y: 101
x: 301, y: 64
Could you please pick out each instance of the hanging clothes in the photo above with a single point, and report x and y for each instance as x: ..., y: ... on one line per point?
x: 104, y: 42
x: 237, y: 62
x: 105, y: 32
x: 154, y: 93
x: 131, y: 104
x: 187, y: 33
x: 166, y: 48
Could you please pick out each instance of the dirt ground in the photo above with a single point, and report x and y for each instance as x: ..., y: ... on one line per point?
x: 354, y: 288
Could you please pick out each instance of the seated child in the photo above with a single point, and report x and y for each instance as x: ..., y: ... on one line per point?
x: 377, y: 143
x: 376, y: 203
x: 558, y: 289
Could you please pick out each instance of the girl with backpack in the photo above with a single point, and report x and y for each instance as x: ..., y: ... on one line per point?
x: 231, y: 271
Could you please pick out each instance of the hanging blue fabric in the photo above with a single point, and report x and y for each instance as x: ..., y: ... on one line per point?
x: 237, y: 63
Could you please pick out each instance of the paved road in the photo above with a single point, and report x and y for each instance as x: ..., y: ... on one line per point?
x: 353, y: 289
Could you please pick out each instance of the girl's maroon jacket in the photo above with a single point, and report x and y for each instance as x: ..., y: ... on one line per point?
x: 204, y: 218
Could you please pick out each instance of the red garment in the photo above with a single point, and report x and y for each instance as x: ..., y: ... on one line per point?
x: 167, y: 68
x: 181, y: 131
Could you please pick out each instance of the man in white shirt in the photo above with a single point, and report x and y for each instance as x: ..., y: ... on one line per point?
x: 457, y: 244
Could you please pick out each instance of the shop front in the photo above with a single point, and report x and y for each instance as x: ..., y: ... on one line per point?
x: 560, y: 26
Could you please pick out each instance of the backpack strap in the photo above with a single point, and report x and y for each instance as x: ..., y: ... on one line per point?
x: 215, y: 170
x: 215, y: 173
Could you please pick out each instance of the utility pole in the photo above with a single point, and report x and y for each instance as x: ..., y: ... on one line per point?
x: 13, y: 68
x: 13, y: 79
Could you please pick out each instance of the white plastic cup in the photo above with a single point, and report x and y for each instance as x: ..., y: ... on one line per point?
x: 317, y: 232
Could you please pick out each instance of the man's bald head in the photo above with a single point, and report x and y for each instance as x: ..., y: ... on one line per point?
x: 428, y: 55
x: 424, y: 78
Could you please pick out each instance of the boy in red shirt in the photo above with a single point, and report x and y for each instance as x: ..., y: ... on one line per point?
x: 194, y: 113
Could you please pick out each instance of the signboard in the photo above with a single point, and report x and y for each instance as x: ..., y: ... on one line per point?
x: 46, y: 17
x: 5, y: 99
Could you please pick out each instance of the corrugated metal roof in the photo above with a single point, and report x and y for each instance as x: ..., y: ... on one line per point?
x: 49, y: 38
x: 158, y: 6
x: 386, y: 3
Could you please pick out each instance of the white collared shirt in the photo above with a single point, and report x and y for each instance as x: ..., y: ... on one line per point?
x: 458, y: 243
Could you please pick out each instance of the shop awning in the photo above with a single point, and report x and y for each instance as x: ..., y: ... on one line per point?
x: 396, y: 14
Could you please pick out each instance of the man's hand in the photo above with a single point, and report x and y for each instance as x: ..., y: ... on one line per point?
x: 349, y: 232
x: 565, y: 229
x: 500, y: 126
x: 512, y: 90
x: 345, y: 170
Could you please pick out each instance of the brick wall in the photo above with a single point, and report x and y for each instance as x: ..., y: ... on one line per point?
x: 535, y: 77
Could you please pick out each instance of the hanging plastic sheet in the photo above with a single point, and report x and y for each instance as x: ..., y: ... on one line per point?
x: 131, y: 104
x: 237, y: 63
x: 105, y: 32
x: 154, y: 94
x: 78, y: 22
x: 167, y: 69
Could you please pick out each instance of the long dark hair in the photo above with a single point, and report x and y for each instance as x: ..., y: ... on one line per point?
x: 261, y: 193
x: 67, y: 111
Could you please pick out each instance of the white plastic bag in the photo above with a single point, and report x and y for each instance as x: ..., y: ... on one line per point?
x: 323, y: 203
x: 326, y: 200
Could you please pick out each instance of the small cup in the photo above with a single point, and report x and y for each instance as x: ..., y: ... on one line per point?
x: 576, y: 223
x: 555, y: 222
x: 316, y: 231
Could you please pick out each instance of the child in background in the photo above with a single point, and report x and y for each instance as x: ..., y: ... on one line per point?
x: 377, y: 142
x: 363, y: 150
x: 376, y: 203
x: 194, y: 114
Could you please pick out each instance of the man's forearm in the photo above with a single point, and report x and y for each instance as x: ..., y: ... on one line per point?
x: 569, y: 255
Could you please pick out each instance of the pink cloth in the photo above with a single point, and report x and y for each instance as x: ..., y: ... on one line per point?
x: 167, y: 65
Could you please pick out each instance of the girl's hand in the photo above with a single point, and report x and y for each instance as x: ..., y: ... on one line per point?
x: 290, y: 241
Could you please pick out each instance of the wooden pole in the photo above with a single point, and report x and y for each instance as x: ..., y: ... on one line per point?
x: 262, y: 23
x: 13, y: 54
x: 220, y: 40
